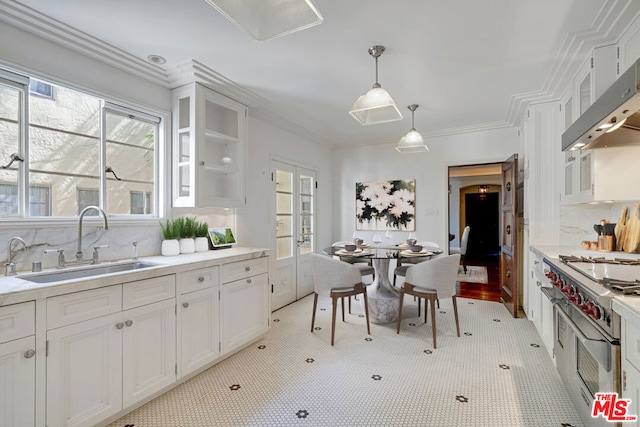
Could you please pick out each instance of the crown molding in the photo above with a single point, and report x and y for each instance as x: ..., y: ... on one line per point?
x: 34, y: 22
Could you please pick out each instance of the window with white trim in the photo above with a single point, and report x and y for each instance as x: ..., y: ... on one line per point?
x: 84, y: 150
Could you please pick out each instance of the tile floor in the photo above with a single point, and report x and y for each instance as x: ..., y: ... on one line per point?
x: 497, y: 373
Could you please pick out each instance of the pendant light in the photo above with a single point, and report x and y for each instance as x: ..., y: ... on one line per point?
x: 412, y: 142
x: 376, y: 106
x: 268, y: 19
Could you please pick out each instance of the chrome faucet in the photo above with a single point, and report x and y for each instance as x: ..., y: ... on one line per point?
x: 11, y: 266
x: 79, y: 255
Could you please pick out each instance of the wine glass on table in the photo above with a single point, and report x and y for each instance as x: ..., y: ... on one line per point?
x: 377, y: 239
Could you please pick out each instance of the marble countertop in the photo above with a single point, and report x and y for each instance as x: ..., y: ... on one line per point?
x: 627, y: 306
x: 14, y: 289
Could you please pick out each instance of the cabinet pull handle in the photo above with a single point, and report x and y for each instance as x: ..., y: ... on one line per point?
x: 119, y: 325
x: 248, y: 280
x: 200, y: 279
x: 185, y: 304
x: 508, y: 229
x: 128, y: 322
x: 535, y: 262
x: 247, y: 268
x: 29, y: 354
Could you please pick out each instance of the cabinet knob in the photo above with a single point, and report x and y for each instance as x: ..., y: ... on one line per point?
x: 508, y: 272
x: 248, y: 280
x: 536, y: 262
x: 128, y: 322
x: 200, y: 279
x: 29, y: 354
x: 185, y: 304
x: 201, y: 162
x: 247, y: 268
x: 119, y: 325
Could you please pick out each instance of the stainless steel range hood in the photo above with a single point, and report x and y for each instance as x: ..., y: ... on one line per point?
x: 621, y: 101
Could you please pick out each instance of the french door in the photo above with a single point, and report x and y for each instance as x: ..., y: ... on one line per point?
x: 294, y: 210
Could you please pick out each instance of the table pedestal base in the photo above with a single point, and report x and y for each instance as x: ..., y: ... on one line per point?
x: 383, y: 305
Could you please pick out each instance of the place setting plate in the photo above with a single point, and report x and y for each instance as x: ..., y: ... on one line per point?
x: 409, y: 253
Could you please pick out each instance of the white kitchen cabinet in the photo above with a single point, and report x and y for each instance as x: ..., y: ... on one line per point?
x: 597, y: 73
x: 629, y: 46
x: 84, y: 372
x: 101, y: 359
x: 17, y: 365
x: 209, y: 148
x: 601, y: 175
x: 198, y: 319
x: 148, y: 351
x: 539, y: 309
x: 630, y: 364
x: 244, y: 302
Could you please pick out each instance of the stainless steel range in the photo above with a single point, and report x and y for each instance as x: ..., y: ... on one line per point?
x: 586, y: 329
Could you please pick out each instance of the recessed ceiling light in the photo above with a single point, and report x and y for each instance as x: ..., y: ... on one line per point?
x: 156, y: 59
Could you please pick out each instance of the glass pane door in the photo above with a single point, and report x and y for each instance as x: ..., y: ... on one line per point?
x: 305, y: 243
x: 284, y: 214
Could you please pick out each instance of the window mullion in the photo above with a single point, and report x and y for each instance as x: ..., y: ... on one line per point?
x: 103, y: 157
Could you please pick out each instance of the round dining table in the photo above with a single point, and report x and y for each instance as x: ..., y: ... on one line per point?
x: 382, y: 296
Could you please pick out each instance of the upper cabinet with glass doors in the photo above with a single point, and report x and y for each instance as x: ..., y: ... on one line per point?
x: 594, y: 77
x: 209, y: 148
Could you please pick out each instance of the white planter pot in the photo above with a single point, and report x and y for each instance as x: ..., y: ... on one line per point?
x: 170, y: 248
x: 202, y: 244
x: 187, y: 246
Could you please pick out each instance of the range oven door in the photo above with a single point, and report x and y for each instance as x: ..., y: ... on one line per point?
x: 586, y: 360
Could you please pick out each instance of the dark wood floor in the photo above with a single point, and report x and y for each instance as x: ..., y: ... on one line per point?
x: 488, y: 292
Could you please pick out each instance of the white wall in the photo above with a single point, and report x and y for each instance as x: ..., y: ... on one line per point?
x: 267, y: 141
x: 383, y: 162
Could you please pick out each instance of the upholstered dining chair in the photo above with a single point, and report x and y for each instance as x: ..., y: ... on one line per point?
x: 336, y: 279
x: 462, y: 250
x: 432, y: 280
x: 405, y: 263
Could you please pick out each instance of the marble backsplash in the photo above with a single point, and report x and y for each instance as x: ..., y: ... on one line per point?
x: 576, y: 221
x: 119, y: 237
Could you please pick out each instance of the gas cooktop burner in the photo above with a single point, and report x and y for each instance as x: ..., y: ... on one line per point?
x: 622, y: 286
x: 599, y: 260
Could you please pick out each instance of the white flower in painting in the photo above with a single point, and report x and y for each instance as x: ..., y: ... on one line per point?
x: 399, y: 207
x: 404, y: 195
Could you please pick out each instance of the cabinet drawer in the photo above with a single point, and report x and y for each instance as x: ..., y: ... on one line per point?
x: 241, y: 269
x: 17, y: 321
x: 147, y: 291
x: 632, y: 344
x: 80, y: 306
x: 196, y: 280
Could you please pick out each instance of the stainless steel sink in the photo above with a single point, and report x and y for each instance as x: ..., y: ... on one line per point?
x: 83, y: 272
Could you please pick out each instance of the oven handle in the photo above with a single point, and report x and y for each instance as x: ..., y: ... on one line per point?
x: 549, y: 294
x: 599, y: 349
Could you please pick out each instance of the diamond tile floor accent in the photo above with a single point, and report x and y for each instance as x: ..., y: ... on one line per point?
x: 461, y: 383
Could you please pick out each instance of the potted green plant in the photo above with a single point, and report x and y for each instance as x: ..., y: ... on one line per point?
x: 170, y: 234
x: 188, y: 226
x: 202, y: 240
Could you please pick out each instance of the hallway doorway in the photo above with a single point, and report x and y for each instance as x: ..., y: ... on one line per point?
x: 474, y: 200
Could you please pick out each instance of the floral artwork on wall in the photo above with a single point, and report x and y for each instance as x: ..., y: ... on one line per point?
x: 386, y: 205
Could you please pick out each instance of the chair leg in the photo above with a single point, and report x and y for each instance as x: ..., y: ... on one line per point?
x: 464, y: 263
x: 426, y: 308
x: 455, y: 312
x: 438, y: 302
x: 394, y: 280
x: 315, y: 304
x: 366, y: 309
x: 349, y: 305
x: 342, y: 301
x: 333, y: 316
x: 433, y: 320
x: 419, y: 305
x: 400, y: 310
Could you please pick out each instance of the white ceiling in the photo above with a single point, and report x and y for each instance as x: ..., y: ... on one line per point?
x: 464, y: 61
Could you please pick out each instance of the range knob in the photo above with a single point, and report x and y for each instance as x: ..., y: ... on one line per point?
x: 551, y: 275
x: 558, y: 283
x: 586, y: 306
x: 595, y: 312
x: 577, y: 298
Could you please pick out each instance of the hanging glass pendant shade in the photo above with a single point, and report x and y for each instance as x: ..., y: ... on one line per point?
x: 268, y: 19
x: 375, y: 106
x: 412, y: 142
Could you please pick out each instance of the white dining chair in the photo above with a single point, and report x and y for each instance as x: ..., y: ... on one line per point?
x: 337, y: 280
x: 432, y: 280
x: 462, y: 250
x: 404, y: 263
